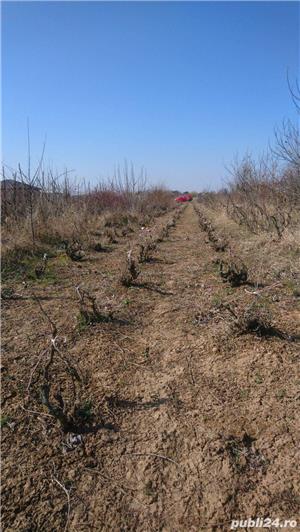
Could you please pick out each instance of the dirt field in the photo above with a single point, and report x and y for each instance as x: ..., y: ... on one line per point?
x: 189, y: 423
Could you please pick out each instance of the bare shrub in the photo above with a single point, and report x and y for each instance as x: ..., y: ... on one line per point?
x: 287, y: 138
x: 218, y: 242
x: 110, y: 235
x: 287, y: 143
x: 253, y: 319
x: 55, y: 382
x: 41, y: 267
x: 131, y: 271
x: 163, y: 234
x: 89, y: 310
x: 233, y: 271
x: 261, y: 197
x: 157, y: 201
x: 264, y: 194
x: 74, y: 251
x: 97, y: 246
x: 145, y: 250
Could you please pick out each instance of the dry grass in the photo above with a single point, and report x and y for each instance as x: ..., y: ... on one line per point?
x: 48, y: 218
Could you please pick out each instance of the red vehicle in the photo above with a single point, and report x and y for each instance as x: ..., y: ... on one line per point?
x: 184, y: 198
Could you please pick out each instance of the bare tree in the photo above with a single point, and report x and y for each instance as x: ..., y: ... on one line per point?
x: 31, y: 180
x: 129, y: 183
x: 287, y: 143
x: 287, y: 138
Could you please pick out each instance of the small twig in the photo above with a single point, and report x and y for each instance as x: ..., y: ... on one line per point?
x: 141, y: 365
x: 65, y: 359
x: 35, y: 367
x: 79, y: 293
x: 68, y: 498
x: 36, y: 412
x: 257, y: 292
x: 155, y: 455
x: 216, y: 398
x: 121, y: 488
x: 189, y: 363
x: 130, y: 338
x: 54, y: 329
x: 15, y: 295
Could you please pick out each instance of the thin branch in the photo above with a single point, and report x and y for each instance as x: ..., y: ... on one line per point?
x: 54, y: 328
x: 155, y: 455
x: 37, y: 413
x: 121, y: 488
x: 68, y: 499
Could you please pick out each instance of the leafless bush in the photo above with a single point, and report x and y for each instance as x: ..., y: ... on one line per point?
x: 74, y: 251
x: 145, y: 250
x: 97, y: 246
x: 253, y: 319
x: 156, y: 201
x: 233, y: 271
x: 287, y: 143
x: 44, y: 386
x: 89, y: 310
x: 162, y: 234
x: 213, y: 200
x: 47, y: 212
x: 287, y: 138
x: 41, y: 267
x: 218, y: 242
x: 110, y: 235
x: 131, y: 271
x: 261, y: 197
x: 264, y: 194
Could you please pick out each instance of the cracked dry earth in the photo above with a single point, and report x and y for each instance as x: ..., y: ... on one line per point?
x: 195, y: 429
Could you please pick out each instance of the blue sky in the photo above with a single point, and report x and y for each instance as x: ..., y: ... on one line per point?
x: 179, y: 88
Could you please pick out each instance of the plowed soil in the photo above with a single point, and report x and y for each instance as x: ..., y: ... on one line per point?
x: 191, y: 424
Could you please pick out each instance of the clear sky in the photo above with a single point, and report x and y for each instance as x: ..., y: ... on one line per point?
x: 177, y: 87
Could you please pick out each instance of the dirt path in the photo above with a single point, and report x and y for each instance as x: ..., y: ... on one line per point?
x: 196, y: 431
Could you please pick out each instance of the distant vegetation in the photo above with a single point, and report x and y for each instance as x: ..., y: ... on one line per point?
x: 264, y: 195
x: 42, y: 212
